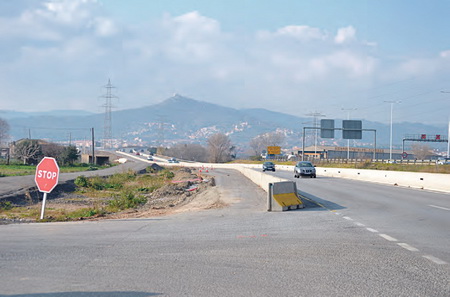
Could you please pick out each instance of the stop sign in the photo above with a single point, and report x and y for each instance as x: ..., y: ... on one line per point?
x: 47, y: 174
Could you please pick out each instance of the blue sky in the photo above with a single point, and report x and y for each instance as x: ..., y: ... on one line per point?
x: 289, y: 56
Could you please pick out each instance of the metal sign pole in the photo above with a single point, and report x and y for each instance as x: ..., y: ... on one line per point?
x: 43, y: 205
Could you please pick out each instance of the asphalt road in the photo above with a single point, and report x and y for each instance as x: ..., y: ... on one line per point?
x: 418, y: 220
x: 241, y: 250
x: 14, y: 185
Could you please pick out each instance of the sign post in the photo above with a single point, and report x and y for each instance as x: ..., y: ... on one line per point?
x: 46, y: 178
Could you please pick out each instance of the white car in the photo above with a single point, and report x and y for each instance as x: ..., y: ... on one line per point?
x: 443, y: 161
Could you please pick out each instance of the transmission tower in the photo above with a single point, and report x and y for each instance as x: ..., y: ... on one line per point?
x: 107, y: 125
x: 316, y: 115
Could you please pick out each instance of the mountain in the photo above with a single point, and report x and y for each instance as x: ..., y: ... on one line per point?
x: 181, y: 119
x: 11, y: 114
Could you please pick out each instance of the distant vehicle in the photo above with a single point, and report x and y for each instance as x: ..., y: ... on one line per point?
x: 150, y: 158
x: 443, y: 161
x: 137, y: 154
x: 173, y: 160
x: 268, y: 166
x: 391, y: 161
x: 304, y: 168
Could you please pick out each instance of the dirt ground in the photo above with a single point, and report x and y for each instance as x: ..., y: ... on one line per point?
x: 188, y: 191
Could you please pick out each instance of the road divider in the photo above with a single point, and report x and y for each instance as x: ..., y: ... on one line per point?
x: 283, y: 196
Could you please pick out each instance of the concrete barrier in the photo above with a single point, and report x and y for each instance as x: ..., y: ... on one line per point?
x: 417, y: 180
x: 283, y: 196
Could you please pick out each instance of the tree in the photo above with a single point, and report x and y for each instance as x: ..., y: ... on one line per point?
x: 68, y: 155
x: 220, y: 148
x: 262, y: 141
x: 421, y: 151
x: 28, y: 150
x: 4, y: 129
x: 188, y: 151
x: 52, y: 150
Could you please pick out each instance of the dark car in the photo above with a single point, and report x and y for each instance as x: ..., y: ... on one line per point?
x: 268, y: 166
x: 304, y: 168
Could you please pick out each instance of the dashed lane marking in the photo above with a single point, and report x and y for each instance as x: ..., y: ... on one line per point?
x: 408, y: 247
x: 440, y: 207
x: 435, y: 260
x: 387, y: 237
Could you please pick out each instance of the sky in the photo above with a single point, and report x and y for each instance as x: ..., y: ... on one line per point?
x: 338, y: 59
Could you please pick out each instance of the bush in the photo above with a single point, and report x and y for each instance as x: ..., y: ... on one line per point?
x: 126, y: 199
x: 82, y: 182
x: 5, y: 205
x: 167, y: 174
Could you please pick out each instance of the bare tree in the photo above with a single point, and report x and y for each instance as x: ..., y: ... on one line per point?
x: 4, y: 130
x: 195, y: 152
x: 52, y: 149
x: 188, y: 151
x: 220, y: 148
x: 262, y: 141
x: 28, y: 150
x: 421, y: 151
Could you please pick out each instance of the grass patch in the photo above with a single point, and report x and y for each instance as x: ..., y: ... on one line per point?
x: 21, y: 170
x: 106, y: 195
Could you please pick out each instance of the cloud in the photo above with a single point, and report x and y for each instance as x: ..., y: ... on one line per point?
x: 64, y: 51
x: 445, y: 54
x: 345, y: 35
x: 303, y: 33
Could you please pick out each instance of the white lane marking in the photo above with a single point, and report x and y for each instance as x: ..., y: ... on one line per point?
x: 440, y: 207
x: 434, y: 259
x: 360, y: 224
x: 408, y: 247
x: 372, y: 230
x: 387, y: 237
x: 348, y: 218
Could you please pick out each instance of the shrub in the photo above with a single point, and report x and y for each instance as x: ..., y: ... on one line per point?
x: 167, y: 174
x: 81, y: 181
x: 5, y: 205
x: 126, y: 199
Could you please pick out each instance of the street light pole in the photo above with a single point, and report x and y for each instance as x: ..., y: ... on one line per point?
x: 348, y: 140
x: 448, y: 135
x: 390, y: 140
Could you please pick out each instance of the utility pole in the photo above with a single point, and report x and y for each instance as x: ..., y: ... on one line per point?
x: 107, y: 126
x: 390, y: 141
x: 93, y: 146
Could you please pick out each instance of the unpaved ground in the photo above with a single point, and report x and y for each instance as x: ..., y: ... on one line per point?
x: 176, y: 198
x: 189, y: 191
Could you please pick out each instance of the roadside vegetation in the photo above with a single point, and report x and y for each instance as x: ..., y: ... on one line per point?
x: 103, y: 195
x: 18, y: 169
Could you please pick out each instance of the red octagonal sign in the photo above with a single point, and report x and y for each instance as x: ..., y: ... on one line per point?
x: 47, y: 174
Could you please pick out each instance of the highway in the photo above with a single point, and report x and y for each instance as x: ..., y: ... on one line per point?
x: 417, y: 220
x: 243, y: 250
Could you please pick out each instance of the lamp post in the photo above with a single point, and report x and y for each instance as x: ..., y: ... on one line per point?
x: 448, y: 135
x: 390, y: 138
x: 348, y: 140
